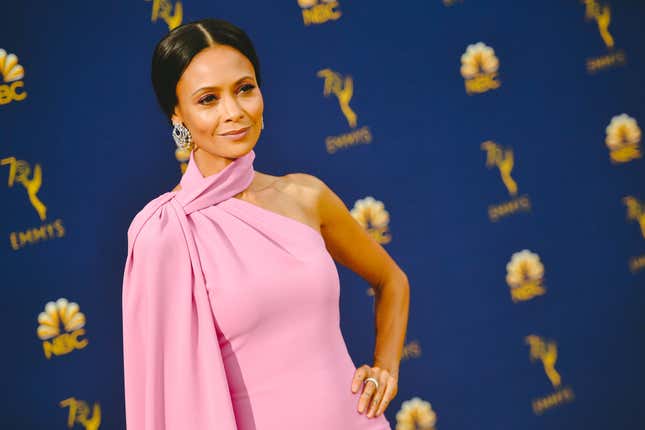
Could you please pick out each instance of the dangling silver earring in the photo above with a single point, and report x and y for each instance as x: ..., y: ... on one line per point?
x: 262, y: 119
x: 182, y: 137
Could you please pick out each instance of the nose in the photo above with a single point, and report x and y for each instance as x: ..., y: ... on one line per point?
x: 231, y: 109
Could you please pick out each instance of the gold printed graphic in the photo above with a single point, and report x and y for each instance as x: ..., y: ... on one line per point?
x: 164, y: 9
x: 373, y: 217
x: 411, y: 350
x: 79, y: 412
x: 637, y: 263
x: 20, y: 172
x: 416, y: 414
x: 65, y: 313
x: 12, y: 74
x: 547, y: 353
x: 635, y: 212
x: 479, y: 66
x: 602, y: 15
x: 343, y: 89
x: 623, y: 138
x: 524, y: 276
x: 504, y: 160
x: 319, y: 12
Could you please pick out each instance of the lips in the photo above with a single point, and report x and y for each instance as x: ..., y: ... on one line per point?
x: 238, y: 131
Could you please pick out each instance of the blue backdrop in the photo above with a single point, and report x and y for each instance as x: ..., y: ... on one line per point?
x: 502, y: 140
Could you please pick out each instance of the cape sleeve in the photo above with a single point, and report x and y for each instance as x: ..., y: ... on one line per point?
x: 173, y: 369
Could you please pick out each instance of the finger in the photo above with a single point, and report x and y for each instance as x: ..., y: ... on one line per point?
x: 387, y: 397
x: 378, y: 395
x: 368, y: 391
x: 359, y: 375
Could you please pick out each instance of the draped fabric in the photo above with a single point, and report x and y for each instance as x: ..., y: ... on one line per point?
x: 231, y: 317
x: 173, y: 369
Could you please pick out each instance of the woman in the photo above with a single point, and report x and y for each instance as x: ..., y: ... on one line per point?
x: 230, y: 292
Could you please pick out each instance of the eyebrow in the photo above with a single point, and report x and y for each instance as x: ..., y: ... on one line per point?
x: 217, y: 88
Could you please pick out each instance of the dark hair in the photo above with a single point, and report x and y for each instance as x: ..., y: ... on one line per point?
x: 174, y: 52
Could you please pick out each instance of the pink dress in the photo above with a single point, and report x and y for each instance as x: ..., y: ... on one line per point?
x: 231, y: 316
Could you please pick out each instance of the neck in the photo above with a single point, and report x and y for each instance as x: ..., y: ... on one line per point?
x: 209, y: 164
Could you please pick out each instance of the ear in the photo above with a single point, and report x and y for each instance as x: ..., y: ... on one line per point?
x: 176, y: 116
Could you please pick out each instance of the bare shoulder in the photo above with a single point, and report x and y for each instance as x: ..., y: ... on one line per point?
x: 303, y: 186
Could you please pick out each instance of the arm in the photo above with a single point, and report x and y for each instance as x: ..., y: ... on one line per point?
x: 351, y: 246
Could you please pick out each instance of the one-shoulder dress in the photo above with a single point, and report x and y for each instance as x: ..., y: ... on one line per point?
x: 231, y: 316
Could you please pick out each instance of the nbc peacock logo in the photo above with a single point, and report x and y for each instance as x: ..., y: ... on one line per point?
x: 416, y: 413
x: 11, y: 87
x: 479, y: 68
x: 373, y: 217
x: 319, y: 11
x: 623, y: 138
x: 525, y: 276
x: 60, y: 327
x: 342, y: 87
x: 546, y: 351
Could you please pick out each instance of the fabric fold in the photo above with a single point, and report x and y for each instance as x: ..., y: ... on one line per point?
x: 173, y: 369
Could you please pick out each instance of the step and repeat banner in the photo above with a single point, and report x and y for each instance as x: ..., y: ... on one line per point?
x: 494, y: 149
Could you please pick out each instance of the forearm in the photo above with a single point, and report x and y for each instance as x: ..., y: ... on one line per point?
x: 392, y: 301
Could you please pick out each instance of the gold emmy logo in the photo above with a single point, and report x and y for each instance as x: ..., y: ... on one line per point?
x: 343, y: 89
x: 68, y: 315
x: 182, y: 156
x: 416, y: 414
x: 504, y: 160
x: 164, y: 9
x: 602, y: 15
x: 479, y: 67
x: 524, y: 276
x: 547, y: 353
x: 79, y: 412
x: 451, y: 2
x: 636, y: 212
x: 20, y: 172
x: 11, y: 88
x: 319, y: 11
x: 623, y: 138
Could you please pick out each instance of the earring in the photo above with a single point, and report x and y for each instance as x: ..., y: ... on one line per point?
x: 182, y: 137
x: 262, y: 119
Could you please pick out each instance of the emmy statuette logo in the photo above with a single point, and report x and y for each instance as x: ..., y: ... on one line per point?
x: 342, y: 87
x: 171, y: 14
x: 21, y: 173
x: 503, y: 160
x: 546, y: 352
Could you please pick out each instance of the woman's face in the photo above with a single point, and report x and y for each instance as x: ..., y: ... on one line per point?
x: 218, y: 93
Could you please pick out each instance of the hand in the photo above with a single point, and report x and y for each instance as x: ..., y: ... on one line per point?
x: 373, y: 400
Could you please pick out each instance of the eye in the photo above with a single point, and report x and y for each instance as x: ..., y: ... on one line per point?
x: 248, y: 87
x: 203, y: 99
